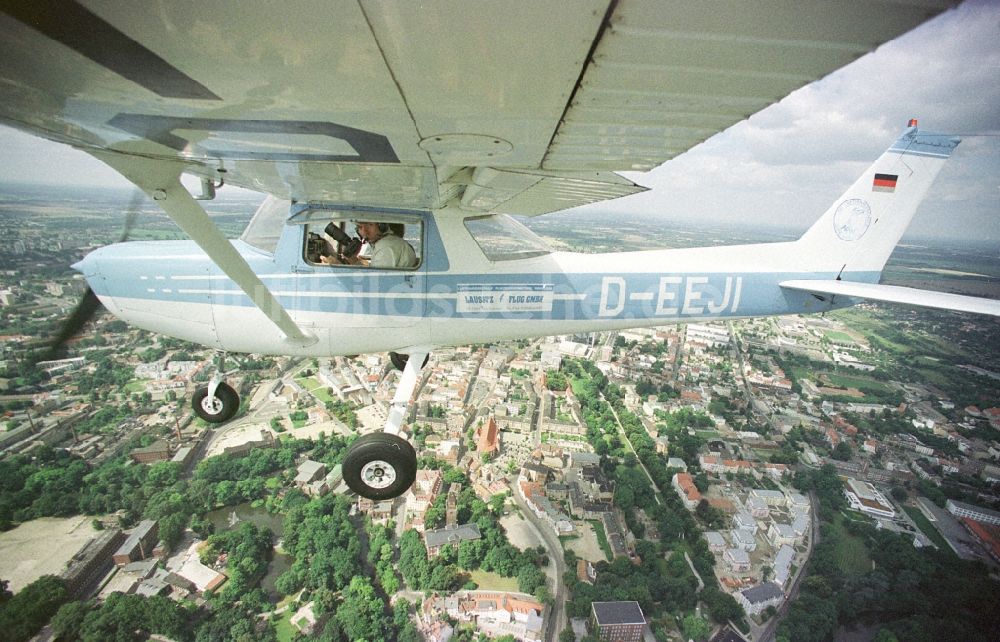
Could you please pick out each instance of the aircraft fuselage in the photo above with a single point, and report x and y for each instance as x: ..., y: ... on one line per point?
x: 455, y: 296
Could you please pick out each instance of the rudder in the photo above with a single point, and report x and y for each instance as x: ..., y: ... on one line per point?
x: 856, y: 235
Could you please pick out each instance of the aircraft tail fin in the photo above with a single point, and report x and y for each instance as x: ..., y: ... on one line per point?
x: 855, y: 237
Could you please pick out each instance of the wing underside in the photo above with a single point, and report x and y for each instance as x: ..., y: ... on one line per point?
x: 519, y: 107
x: 827, y: 289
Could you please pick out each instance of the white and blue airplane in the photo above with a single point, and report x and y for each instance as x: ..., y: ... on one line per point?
x: 438, y: 123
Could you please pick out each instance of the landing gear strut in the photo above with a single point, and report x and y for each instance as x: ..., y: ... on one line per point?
x: 217, y: 402
x: 383, y: 465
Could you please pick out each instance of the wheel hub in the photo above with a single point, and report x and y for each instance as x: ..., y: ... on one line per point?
x: 212, y: 405
x: 378, y: 474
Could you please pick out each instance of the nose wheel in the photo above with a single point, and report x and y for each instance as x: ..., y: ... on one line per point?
x: 217, y: 408
x: 380, y: 466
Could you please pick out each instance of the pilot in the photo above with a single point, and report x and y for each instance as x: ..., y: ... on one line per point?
x: 387, y: 249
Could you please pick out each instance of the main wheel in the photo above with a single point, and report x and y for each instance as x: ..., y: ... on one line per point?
x: 217, y: 409
x: 380, y: 466
x: 399, y: 360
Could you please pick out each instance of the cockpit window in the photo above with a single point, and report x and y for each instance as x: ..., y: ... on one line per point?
x: 501, y: 238
x: 366, y: 239
x: 265, y: 227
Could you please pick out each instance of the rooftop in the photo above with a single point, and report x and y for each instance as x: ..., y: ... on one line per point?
x: 763, y: 593
x: 617, y: 613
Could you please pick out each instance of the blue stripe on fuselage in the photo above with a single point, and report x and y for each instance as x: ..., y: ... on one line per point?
x: 530, y: 296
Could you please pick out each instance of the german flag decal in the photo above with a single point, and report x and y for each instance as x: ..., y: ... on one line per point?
x: 884, y: 183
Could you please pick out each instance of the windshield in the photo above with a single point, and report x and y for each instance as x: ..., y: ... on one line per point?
x: 501, y: 238
x: 265, y: 227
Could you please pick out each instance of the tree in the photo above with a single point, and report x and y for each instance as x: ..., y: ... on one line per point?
x: 361, y: 615
x: 842, y: 451
x: 885, y: 635
x: 695, y: 628
x: 27, y: 612
x: 721, y: 606
x: 68, y: 620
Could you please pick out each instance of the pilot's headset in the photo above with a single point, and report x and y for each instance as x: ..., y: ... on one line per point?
x: 383, y: 228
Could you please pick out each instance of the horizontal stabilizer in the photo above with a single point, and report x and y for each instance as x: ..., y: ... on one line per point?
x: 896, y: 294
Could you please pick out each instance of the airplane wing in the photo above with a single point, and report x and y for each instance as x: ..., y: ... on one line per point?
x: 516, y: 107
x: 896, y: 294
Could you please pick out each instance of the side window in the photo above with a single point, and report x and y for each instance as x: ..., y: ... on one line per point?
x: 501, y: 238
x: 264, y: 228
x: 338, y: 242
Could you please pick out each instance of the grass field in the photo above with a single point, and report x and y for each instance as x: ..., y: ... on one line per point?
x: 852, y: 553
x: 283, y: 627
x: 861, y: 383
x: 927, y: 528
x: 839, y: 337
x: 136, y: 386
x: 494, y: 582
x: 315, y: 388
x: 602, y: 539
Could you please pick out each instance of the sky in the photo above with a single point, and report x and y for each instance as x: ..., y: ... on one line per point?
x: 786, y: 164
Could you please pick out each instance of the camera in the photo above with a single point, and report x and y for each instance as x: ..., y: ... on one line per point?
x: 349, y: 246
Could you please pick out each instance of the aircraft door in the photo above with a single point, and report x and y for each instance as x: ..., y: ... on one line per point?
x: 361, y: 290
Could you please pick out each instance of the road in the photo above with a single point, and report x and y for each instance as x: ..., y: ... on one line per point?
x: 557, y: 620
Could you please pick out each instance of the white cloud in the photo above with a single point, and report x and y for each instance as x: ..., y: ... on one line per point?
x: 787, y: 163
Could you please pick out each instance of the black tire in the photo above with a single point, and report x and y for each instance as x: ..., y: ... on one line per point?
x: 399, y: 360
x: 380, y: 466
x: 218, y: 409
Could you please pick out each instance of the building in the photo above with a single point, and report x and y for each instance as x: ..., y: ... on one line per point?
x: 617, y: 621
x: 716, y: 542
x: 426, y: 487
x: 493, y: 613
x: 863, y: 497
x: 451, y: 505
x: 783, y: 565
x: 743, y: 538
x: 754, y: 600
x: 684, y: 485
x: 158, y: 451
x: 779, y: 534
x: 975, y: 513
x: 437, y: 539
x: 769, y: 497
x: 139, y: 544
x: 737, y: 559
x: 488, y: 438
x: 308, y: 472
x: 91, y: 562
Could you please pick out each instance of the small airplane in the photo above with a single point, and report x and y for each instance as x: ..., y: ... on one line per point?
x: 425, y: 127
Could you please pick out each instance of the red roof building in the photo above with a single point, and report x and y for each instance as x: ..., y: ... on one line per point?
x: 488, y: 438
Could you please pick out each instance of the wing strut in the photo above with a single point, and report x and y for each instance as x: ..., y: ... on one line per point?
x: 160, y: 179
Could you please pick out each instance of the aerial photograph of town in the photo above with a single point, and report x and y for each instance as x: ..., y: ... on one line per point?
x: 791, y: 477
x: 651, y: 385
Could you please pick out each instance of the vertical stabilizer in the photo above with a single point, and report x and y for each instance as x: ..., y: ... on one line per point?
x: 859, y: 231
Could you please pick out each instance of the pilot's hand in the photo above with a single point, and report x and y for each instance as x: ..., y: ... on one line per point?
x: 330, y: 259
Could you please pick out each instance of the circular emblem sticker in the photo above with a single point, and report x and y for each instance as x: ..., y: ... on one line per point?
x: 852, y: 219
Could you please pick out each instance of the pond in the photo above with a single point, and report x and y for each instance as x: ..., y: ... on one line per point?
x: 229, y: 517
x: 224, y: 519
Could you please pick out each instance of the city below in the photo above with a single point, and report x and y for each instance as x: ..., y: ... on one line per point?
x: 796, y: 478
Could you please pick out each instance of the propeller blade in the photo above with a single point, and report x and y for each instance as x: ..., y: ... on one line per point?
x: 81, y: 314
x: 89, y: 303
